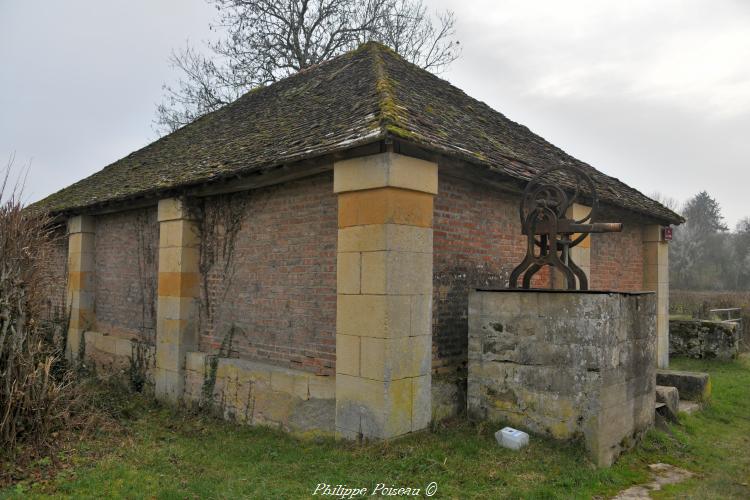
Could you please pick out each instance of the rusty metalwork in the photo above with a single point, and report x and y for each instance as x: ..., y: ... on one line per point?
x: 550, y: 232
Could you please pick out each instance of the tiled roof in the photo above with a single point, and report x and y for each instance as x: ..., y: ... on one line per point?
x: 358, y: 98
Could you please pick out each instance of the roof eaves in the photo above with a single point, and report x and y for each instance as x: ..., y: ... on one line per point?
x: 475, y: 160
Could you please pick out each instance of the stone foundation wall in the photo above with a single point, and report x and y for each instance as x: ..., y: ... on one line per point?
x: 704, y: 339
x: 566, y: 365
x: 110, y: 355
x: 262, y: 394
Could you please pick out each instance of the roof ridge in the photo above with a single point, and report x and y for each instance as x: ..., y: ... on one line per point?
x: 390, y: 121
x: 382, y: 88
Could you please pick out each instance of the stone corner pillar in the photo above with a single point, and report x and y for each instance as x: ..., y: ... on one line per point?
x: 656, y: 279
x: 384, y: 288
x: 80, y: 289
x: 178, y: 293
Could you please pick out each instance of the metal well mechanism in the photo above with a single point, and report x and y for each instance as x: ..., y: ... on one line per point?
x: 550, y: 232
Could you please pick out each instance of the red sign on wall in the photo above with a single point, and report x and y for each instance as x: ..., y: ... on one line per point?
x: 667, y: 233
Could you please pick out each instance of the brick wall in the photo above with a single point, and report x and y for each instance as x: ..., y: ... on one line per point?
x: 617, y: 258
x: 55, y: 270
x: 125, y: 277
x: 276, y: 283
x: 478, y: 242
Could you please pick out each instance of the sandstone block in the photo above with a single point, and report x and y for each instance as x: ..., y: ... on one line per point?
x: 178, y: 233
x: 322, y: 387
x: 385, y: 169
x: 670, y: 396
x: 348, y: 273
x: 421, y: 413
x: 385, y: 206
x: 380, y: 237
x: 81, y: 224
x: 179, y: 284
x: 395, y: 358
x: 421, y: 315
x: 348, y: 354
x: 176, y: 307
x: 380, y: 316
x: 373, y: 408
x: 81, y: 261
x: 174, y: 209
x: 396, y: 273
x: 179, y: 259
x: 693, y: 386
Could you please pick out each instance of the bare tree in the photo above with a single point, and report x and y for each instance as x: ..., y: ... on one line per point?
x: 671, y: 203
x: 266, y: 40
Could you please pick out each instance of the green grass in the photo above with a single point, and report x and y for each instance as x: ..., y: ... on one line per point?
x: 680, y: 317
x: 163, y: 454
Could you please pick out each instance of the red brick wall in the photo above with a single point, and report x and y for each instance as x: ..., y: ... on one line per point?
x: 125, y: 277
x: 617, y: 258
x: 56, y: 272
x: 278, y: 288
x: 478, y: 242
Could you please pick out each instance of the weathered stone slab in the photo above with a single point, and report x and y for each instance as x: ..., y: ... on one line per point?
x: 262, y: 394
x: 565, y: 365
x: 693, y: 386
x: 670, y: 396
x: 689, y: 407
x: 704, y: 339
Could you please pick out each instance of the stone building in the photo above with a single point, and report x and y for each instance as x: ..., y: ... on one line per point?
x: 303, y: 256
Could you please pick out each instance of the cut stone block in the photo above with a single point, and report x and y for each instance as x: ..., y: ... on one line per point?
x: 693, y: 386
x: 689, y: 407
x: 670, y: 396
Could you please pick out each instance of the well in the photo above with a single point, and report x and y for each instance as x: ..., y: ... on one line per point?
x: 567, y: 364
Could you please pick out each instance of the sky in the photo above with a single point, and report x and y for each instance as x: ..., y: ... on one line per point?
x: 656, y: 94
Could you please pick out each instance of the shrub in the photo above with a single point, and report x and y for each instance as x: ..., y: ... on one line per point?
x: 35, y: 386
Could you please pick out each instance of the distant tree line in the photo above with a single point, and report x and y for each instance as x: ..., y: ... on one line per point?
x: 704, y: 253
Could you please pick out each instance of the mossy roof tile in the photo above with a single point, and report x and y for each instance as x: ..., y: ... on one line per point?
x: 358, y: 98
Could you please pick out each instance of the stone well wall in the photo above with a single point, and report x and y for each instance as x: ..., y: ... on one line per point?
x: 704, y: 339
x: 567, y: 365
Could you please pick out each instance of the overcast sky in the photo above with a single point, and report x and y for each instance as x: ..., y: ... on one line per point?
x: 656, y: 93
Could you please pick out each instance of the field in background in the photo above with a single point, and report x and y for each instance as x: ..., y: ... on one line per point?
x: 160, y: 453
x: 686, y: 304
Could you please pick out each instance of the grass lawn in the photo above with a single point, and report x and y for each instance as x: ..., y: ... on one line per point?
x: 157, y: 453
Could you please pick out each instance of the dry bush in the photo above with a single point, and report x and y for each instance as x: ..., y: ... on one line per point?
x: 36, y: 391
